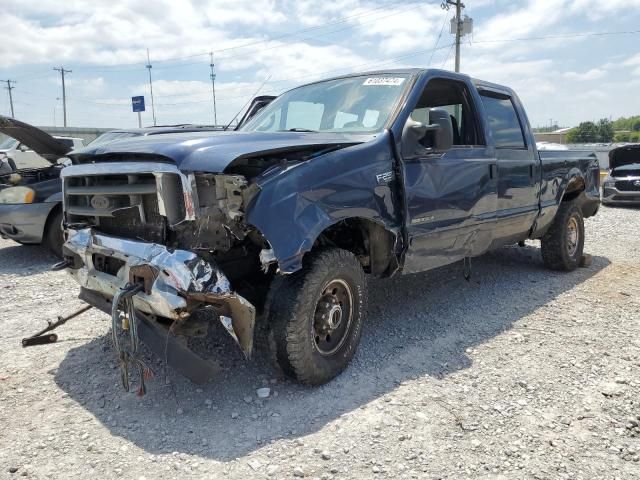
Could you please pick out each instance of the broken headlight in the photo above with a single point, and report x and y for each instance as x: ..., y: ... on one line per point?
x: 17, y: 195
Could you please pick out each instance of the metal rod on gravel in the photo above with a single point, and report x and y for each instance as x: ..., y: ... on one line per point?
x: 41, y: 339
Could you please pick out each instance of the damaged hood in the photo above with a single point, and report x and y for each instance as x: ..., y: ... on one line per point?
x: 212, y: 151
x: 627, y: 155
x: 39, y: 141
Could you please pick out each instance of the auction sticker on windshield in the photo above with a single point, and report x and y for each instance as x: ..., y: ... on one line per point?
x: 384, y: 81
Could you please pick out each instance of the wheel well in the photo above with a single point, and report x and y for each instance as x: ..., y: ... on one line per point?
x: 371, y: 243
x: 574, y: 188
x: 52, y: 213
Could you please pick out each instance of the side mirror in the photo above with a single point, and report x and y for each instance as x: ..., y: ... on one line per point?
x: 23, y: 148
x: 419, y: 139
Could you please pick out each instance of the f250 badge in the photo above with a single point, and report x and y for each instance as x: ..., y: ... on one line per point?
x: 385, y: 177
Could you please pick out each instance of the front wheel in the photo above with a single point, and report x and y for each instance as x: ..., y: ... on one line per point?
x: 563, y: 244
x: 315, y: 316
x: 53, y: 233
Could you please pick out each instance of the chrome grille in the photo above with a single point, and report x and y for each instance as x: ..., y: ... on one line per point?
x: 104, y: 195
x: 129, y: 203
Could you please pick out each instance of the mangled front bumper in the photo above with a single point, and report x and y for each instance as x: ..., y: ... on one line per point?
x: 176, y: 282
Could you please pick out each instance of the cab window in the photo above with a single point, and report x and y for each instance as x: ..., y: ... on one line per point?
x: 504, y: 123
x: 454, y: 97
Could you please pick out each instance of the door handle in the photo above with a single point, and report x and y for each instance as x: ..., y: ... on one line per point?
x: 493, y: 171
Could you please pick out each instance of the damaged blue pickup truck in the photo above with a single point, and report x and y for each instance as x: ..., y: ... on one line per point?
x: 275, y: 227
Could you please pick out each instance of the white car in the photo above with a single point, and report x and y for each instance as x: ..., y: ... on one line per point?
x: 15, y: 155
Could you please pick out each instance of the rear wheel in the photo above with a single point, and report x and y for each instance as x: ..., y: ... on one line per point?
x: 53, y: 238
x: 315, y: 316
x: 563, y: 244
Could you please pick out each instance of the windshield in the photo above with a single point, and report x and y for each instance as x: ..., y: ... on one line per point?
x: 360, y: 104
x: 8, y: 143
x: 112, y: 137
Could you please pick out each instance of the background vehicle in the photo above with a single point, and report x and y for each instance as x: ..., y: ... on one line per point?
x: 30, y: 210
x: 379, y: 173
x: 16, y: 155
x: 622, y: 184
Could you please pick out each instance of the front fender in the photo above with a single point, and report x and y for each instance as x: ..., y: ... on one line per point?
x: 55, y: 198
x: 296, y: 204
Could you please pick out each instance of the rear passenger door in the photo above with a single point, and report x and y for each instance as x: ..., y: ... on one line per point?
x: 518, y: 166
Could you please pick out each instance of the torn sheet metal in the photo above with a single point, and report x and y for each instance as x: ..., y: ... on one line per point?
x: 267, y: 257
x: 175, y: 282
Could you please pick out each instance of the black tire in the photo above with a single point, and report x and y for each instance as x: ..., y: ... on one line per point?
x: 328, y: 296
x: 563, y: 244
x: 53, y: 238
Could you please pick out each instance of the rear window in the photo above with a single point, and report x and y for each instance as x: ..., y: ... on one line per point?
x: 503, y: 121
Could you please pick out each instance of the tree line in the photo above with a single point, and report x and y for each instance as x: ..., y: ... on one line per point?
x: 605, y: 131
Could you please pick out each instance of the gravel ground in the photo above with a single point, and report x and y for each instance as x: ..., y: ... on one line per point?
x: 521, y: 373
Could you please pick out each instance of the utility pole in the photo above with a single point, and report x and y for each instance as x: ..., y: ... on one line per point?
x: 461, y: 26
x: 64, y: 93
x: 459, y: 7
x: 153, y: 108
x: 9, y: 87
x: 213, y: 89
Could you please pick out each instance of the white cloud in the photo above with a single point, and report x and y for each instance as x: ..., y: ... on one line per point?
x: 593, y: 74
x: 635, y: 60
x: 104, y: 33
x: 597, y: 9
x: 407, y: 27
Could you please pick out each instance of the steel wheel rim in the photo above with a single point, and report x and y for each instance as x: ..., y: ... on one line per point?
x: 333, y: 317
x: 573, y: 236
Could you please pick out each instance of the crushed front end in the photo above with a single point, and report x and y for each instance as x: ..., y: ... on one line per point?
x: 171, y: 236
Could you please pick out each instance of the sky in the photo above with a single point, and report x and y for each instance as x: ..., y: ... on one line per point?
x: 569, y: 60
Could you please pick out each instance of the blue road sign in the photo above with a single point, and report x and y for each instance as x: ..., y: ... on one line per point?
x: 137, y: 103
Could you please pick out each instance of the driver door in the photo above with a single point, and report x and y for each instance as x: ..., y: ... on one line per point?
x: 451, y: 197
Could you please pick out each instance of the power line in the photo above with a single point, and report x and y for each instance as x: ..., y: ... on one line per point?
x: 64, y: 93
x: 446, y: 16
x: 448, y: 55
x: 34, y: 75
x: 560, y: 36
x: 9, y: 87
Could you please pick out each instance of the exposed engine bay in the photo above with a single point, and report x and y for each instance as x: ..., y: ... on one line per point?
x: 31, y: 176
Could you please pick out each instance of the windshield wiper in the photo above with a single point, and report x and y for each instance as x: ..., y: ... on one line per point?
x: 299, y: 130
